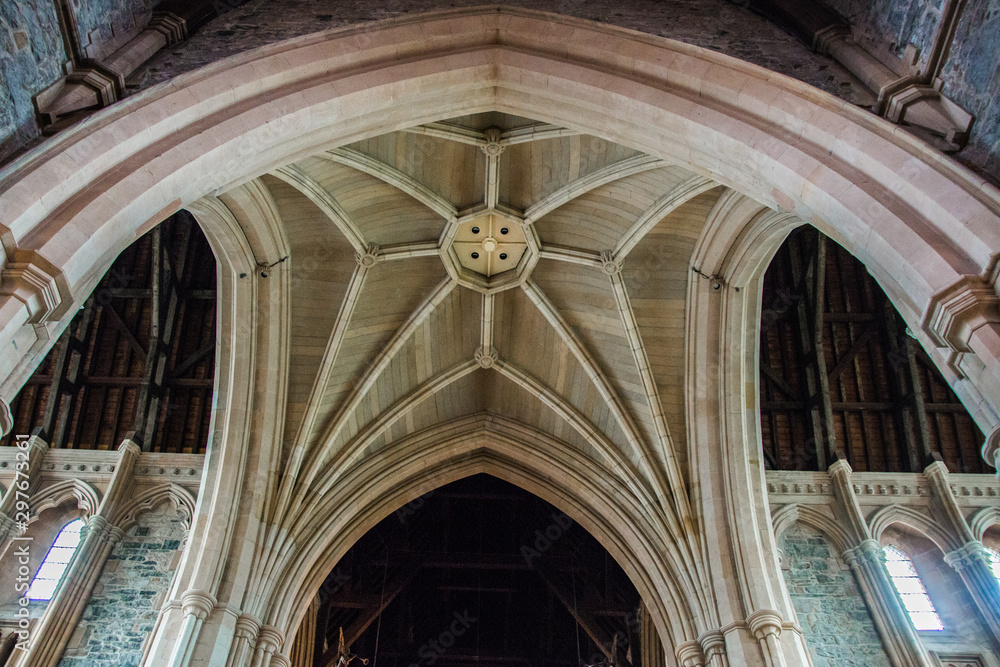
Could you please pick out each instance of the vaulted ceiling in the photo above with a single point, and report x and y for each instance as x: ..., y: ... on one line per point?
x: 392, y: 332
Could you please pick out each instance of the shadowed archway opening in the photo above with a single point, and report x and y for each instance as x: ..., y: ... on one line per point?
x: 842, y: 376
x: 477, y: 572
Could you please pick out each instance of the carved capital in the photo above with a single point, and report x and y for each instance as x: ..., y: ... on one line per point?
x: 97, y: 525
x: 198, y: 604
x: 991, y: 448
x: 713, y: 643
x: 280, y: 661
x: 967, y: 555
x: 247, y: 627
x: 689, y: 654
x: 270, y: 639
x: 114, y: 535
x: 765, y: 622
x: 871, y: 551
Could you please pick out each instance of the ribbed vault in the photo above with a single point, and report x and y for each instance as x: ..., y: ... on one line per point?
x: 584, y: 342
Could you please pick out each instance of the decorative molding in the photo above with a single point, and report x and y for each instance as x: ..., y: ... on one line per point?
x: 170, y: 25
x: 270, y: 638
x: 609, y: 265
x: 493, y: 147
x: 198, y: 604
x: 33, y: 286
x: 368, y: 258
x: 486, y: 358
x: 966, y: 555
x: 180, y: 499
x: 954, y: 313
x: 247, y: 626
x: 765, y: 622
x: 690, y: 654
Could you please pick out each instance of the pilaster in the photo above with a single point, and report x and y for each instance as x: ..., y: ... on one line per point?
x: 97, y: 542
x: 970, y: 560
x: 29, y: 462
x: 867, y: 562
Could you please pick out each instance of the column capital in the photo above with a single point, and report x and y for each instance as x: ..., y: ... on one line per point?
x: 967, y: 555
x: 991, y: 448
x: 198, y: 604
x: 247, y: 626
x: 270, y: 639
x: 713, y: 643
x: 764, y: 622
x: 689, y: 654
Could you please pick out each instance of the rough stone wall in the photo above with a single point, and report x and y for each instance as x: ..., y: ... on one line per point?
x: 896, y: 23
x: 714, y: 24
x: 31, y: 59
x: 970, y: 75
x: 838, y: 628
x: 104, y: 26
x: 126, y: 600
x: 972, y: 78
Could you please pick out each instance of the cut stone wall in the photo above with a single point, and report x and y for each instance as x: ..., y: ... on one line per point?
x: 126, y: 600
x: 835, y: 620
x: 31, y: 59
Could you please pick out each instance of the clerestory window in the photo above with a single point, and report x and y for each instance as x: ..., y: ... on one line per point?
x: 52, y: 569
x: 994, y: 561
x: 911, y: 590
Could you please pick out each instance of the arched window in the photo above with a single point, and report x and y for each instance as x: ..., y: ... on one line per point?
x: 911, y: 590
x: 994, y: 561
x: 43, y: 586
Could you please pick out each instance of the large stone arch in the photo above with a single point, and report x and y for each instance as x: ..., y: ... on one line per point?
x: 585, y: 490
x: 926, y: 227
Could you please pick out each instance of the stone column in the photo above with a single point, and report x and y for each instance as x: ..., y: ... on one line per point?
x: 765, y: 625
x: 269, y: 642
x: 867, y: 562
x: 970, y: 560
x: 247, y: 628
x: 98, y: 540
x: 689, y: 654
x: 34, y: 456
x: 196, y: 606
x: 713, y: 645
x: 304, y: 644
